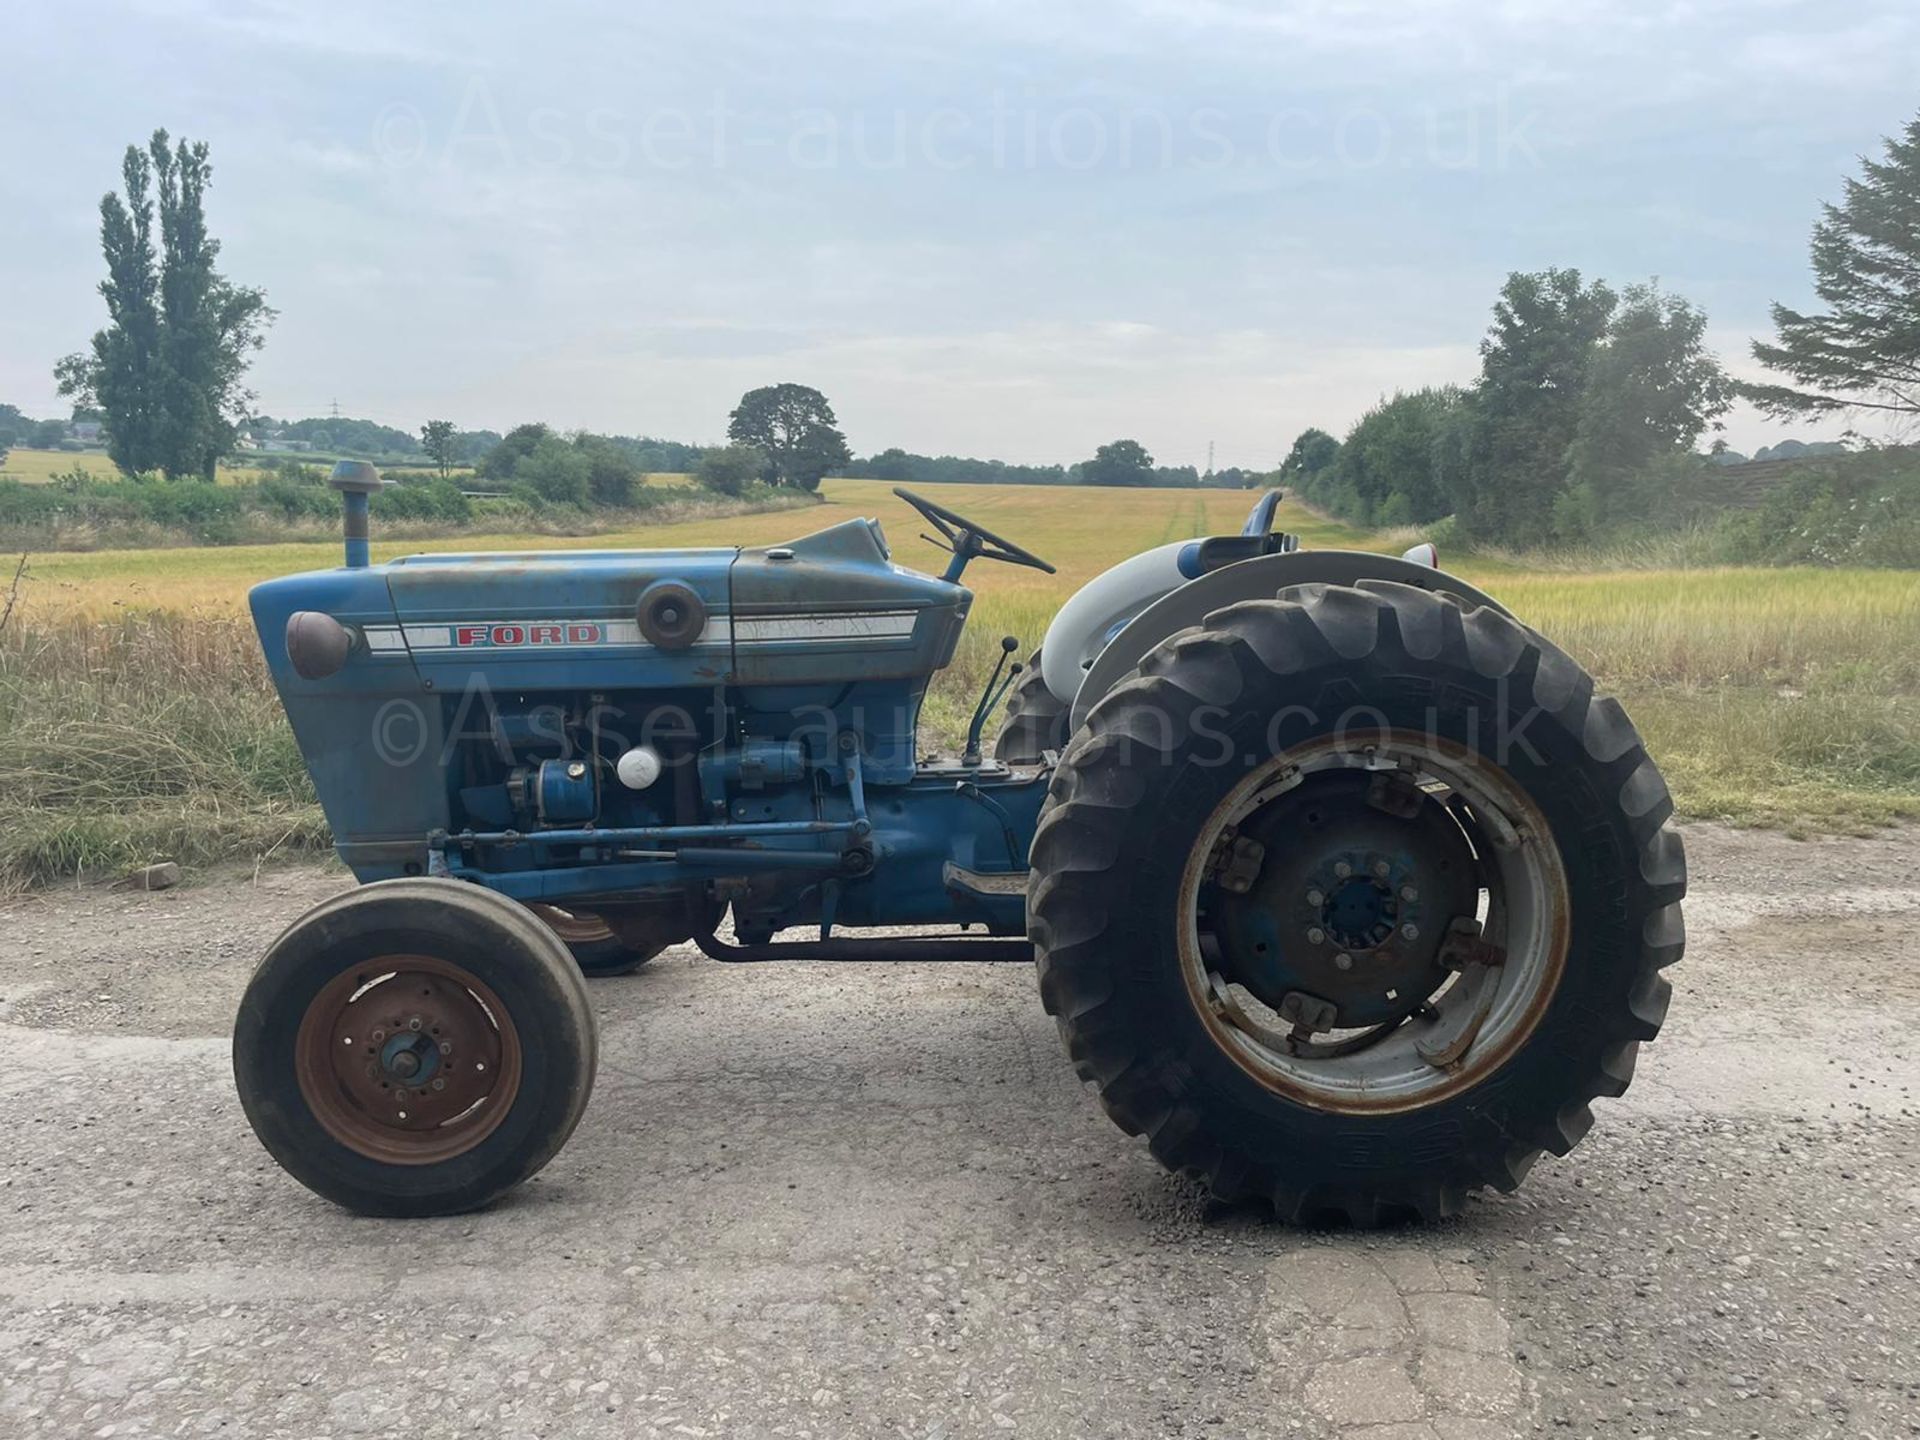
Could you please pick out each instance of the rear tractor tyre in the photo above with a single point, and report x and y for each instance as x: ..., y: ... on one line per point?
x: 414, y: 1047
x: 1353, y: 899
x: 1036, y: 722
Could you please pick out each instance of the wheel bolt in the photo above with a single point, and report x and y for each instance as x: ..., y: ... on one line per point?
x: 1343, y: 961
x: 446, y: 1047
x: 378, y: 1036
x: 1342, y: 869
x: 1412, y: 932
x: 1316, y: 935
x: 1380, y: 869
x: 1314, y: 897
x: 1409, y: 894
x: 440, y: 1084
x: 414, y: 1023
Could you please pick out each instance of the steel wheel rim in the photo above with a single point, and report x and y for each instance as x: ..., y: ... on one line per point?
x: 1525, y: 911
x: 374, y: 1041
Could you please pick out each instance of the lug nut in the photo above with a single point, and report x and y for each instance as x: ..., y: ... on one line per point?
x: 439, y: 1084
x: 1412, y: 932
x: 414, y: 1023
x: 378, y: 1036
x: 1409, y: 894
x: 1342, y: 869
x: 1316, y: 935
x: 1314, y: 897
x: 1380, y: 869
x: 1343, y: 961
x: 446, y: 1047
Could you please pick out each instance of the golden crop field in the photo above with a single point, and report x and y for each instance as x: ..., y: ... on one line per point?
x: 36, y: 467
x: 1785, y: 697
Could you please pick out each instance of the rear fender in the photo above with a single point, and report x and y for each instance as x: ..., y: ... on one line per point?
x: 1258, y: 579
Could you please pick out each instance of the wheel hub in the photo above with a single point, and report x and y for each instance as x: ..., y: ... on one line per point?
x: 1360, y: 913
x: 1350, y: 904
x: 408, y: 1059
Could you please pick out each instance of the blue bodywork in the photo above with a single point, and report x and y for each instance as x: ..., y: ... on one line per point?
x: 475, y: 725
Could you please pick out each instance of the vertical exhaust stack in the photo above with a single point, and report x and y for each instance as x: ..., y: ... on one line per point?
x: 356, y: 480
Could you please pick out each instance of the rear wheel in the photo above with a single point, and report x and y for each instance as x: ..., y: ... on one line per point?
x: 598, y: 949
x: 1036, y: 722
x: 415, y: 1047
x: 1353, y: 901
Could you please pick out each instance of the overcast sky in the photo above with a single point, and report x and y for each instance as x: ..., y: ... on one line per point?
x: 1015, y: 228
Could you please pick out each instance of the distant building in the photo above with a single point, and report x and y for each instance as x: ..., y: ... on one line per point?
x: 88, y: 432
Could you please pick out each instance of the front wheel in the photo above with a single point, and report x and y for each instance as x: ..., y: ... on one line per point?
x: 1354, y: 899
x: 414, y: 1047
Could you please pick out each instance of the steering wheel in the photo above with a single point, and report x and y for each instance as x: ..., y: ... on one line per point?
x: 967, y: 540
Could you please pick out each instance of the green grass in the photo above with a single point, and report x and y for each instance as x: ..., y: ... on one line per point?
x: 136, y: 720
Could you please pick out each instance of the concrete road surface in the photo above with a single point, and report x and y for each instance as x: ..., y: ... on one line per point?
x: 873, y: 1201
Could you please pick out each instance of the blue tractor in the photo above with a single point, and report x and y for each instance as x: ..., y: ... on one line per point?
x: 1344, y: 887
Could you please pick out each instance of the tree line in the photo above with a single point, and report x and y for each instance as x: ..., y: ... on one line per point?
x: 1584, y: 418
x: 1585, y: 396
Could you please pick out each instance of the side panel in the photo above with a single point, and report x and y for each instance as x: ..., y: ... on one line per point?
x: 373, y: 742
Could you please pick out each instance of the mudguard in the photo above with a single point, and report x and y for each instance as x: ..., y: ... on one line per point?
x: 1256, y: 579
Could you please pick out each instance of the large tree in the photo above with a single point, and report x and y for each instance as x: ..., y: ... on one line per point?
x: 1511, y: 442
x: 169, y: 369
x: 1122, y: 462
x: 504, y: 457
x: 1384, y: 473
x: 1313, y: 452
x: 440, y: 440
x: 794, y: 427
x: 1863, y: 351
x: 1652, y: 390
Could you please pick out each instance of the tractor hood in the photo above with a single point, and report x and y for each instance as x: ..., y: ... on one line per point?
x: 541, y: 618
x: 824, y: 609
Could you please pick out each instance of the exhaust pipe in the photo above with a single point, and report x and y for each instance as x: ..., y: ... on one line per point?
x: 355, y: 480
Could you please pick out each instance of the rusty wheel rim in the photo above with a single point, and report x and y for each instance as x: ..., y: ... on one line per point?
x: 408, y: 1060
x: 574, y: 927
x: 1525, y: 910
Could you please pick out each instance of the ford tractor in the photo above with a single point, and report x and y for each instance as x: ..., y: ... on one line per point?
x: 1345, y: 888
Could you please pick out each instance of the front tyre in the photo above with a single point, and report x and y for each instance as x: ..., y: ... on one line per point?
x: 1353, y: 900
x: 414, y: 1047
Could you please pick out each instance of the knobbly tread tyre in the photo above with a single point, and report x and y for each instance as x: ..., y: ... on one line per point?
x: 1036, y: 722
x: 1100, y: 909
x: 499, y: 942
